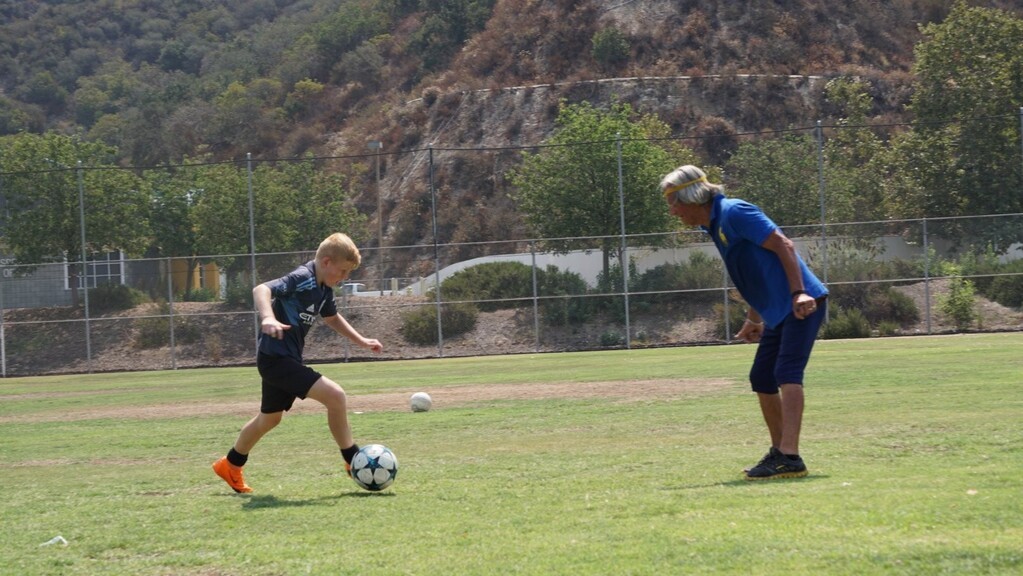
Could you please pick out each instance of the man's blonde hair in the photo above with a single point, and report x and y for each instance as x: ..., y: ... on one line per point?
x: 688, y: 184
x: 339, y: 246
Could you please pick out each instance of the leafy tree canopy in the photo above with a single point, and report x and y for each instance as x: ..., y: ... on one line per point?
x: 570, y: 187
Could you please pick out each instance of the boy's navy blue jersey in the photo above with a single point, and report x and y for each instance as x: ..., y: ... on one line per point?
x: 297, y: 300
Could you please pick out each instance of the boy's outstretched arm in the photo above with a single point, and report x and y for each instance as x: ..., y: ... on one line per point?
x: 342, y: 327
x: 268, y: 323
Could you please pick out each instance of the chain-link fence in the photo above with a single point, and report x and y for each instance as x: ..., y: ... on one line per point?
x: 96, y: 309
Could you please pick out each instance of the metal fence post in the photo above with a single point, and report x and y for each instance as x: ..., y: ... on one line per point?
x: 85, y: 265
x: 170, y: 311
x: 726, y: 309
x: 927, y: 277
x: 436, y: 258
x: 536, y: 299
x: 625, y: 249
x: 3, y: 335
x: 252, y: 240
x: 820, y: 187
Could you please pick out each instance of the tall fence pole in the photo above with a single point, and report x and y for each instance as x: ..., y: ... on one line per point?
x: 726, y: 307
x: 85, y: 265
x: 436, y: 257
x: 625, y: 246
x: 927, y: 277
x: 252, y: 239
x: 820, y: 188
x: 3, y: 335
x: 170, y: 312
x: 536, y: 299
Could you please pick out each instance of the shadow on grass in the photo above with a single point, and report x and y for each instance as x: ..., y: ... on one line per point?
x: 271, y: 501
x: 741, y: 481
x: 367, y: 494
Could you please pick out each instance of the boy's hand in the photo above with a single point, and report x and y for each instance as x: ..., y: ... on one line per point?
x: 373, y: 344
x: 271, y: 327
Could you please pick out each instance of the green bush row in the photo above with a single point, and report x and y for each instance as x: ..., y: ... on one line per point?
x: 419, y: 325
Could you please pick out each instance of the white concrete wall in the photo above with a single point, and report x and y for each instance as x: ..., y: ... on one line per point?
x: 588, y: 264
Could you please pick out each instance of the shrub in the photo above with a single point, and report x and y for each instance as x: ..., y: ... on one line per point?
x: 887, y: 328
x: 611, y: 338
x: 154, y: 332
x: 980, y: 267
x: 430, y: 95
x: 238, y: 293
x: 846, y: 323
x: 736, y: 315
x: 879, y: 302
x: 610, y: 48
x: 419, y: 326
x: 199, y: 295
x: 113, y: 297
x: 564, y: 297
x: 959, y: 303
x: 701, y: 272
x: 1008, y: 290
x: 491, y: 281
x: 885, y: 304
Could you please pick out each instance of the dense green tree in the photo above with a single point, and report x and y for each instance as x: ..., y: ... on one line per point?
x: 345, y: 30
x: 968, y: 91
x: 41, y: 184
x: 295, y: 206
x: 780, y: 175
x: 570, y: 187
x: 323, y: 202
x: 16, y: 117
x: 447, y: 26
x: 172, y: 215
x: 852, y: 176
x: 222, y: 211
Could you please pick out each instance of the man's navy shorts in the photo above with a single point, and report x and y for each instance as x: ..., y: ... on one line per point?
x: 785, y: 350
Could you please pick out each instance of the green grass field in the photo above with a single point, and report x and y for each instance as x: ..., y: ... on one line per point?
x: 915, y: 449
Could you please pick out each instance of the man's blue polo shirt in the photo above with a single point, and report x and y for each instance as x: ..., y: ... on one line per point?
x: 739, y: 229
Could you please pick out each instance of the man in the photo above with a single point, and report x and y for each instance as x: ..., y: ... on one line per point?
x: 787, y: 305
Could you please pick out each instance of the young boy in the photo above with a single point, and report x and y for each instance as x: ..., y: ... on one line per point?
x: 287, y: 308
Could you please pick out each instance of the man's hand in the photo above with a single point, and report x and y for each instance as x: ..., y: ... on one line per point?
x: 750, y: 331
x: 803, y: 305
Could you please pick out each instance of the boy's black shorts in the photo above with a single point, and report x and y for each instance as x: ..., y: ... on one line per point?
x: 284, y: 379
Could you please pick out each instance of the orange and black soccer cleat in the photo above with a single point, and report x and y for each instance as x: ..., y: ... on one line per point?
x: 232, y: 475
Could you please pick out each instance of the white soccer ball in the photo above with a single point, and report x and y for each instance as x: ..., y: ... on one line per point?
x: 374, y: 467
x: 420, y: 402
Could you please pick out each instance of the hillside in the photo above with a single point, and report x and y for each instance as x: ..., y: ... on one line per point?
x: 166, y: 80
x: 178, y: 80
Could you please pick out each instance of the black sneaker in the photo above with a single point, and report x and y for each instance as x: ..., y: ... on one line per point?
x: 778, y: 466
x: 767, y: 457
